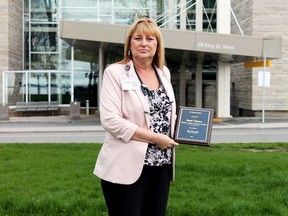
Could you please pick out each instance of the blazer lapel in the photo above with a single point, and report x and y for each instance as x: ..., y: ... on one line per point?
x: 142, y: 98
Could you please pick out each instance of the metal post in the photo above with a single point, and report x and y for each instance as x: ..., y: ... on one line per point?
x: 101, y: 69
x: 263, y: 88
x: 26, y: 86
x: 72, y: 74
x: 49, y: 86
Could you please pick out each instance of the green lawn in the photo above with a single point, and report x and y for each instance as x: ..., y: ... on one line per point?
x: 226, y: 179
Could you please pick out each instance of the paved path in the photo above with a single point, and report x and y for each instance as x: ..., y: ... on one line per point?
x: 88, y: 129
x: 90, y: 123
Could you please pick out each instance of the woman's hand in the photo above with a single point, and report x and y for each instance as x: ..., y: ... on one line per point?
x: 163, y: 141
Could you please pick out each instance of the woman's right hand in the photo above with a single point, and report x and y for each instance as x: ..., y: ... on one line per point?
x: 164, y: 142
x: 161, y: 140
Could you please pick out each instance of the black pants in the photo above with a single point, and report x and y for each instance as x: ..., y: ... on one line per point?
x: 148, y: 196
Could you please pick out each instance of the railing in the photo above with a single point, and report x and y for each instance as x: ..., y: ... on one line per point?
x: 24, y: 83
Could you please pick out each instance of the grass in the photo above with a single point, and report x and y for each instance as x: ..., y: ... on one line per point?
x: 227, y: 179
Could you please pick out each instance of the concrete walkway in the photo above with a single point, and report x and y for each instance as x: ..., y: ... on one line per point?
x: 50, y: 124
x: 91, y: 123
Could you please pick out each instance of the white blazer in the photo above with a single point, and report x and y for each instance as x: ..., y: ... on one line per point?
x: 122, y: 111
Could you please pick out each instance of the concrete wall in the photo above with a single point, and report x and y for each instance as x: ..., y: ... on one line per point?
x: 261, y: 18
x: 241, y: 79
x: 209, y: 97
x: 10, y: 37
x: 271, y: 18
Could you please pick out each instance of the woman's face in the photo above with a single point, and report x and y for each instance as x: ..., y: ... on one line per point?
x: 143, y: 46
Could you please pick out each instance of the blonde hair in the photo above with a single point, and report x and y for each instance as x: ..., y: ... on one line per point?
x: 147, y: 26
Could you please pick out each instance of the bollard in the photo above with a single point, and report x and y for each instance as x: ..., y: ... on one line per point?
x: 87, y: 107
x: 4, y: 112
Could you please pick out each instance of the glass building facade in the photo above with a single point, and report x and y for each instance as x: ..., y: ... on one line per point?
x: 55, y: 71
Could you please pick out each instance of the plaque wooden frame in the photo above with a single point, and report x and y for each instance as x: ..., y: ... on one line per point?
x: 194, y: 126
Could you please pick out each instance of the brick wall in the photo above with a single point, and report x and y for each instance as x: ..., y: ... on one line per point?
x: 3, y: 40
x: 10, y: 37
x: 15, y: 35
x: 271, y: 18
x: 261, y: 18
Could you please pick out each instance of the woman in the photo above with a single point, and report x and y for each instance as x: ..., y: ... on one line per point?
x: 137, y: 109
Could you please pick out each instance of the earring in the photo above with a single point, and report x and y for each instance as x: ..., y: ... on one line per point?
x: 129, y: 52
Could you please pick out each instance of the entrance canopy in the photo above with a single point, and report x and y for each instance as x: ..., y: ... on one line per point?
x: 197, y: 47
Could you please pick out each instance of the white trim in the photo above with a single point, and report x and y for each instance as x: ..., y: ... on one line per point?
x: 45, y: 52
x: 75, y: 7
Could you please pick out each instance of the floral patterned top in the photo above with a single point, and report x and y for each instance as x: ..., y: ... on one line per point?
x: 160, y: 112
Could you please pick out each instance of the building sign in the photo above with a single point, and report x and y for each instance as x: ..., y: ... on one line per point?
x: 264, y: 79
x: 227, y: 44
x: 215, y: 46
x: 257, y: 64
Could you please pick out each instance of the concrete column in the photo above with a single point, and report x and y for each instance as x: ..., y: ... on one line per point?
x: 223, y: 73
x: 198, y: 76
x: 171, y: 24
x: 198, y: 86
x: 182, y: 83
x: 182, y: 86
x: 223, y: 90
x: 223, y: 16
x: 183, y: 15
x: 199, y: 16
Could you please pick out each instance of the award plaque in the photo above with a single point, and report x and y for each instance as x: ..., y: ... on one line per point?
x: 194, y: 126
